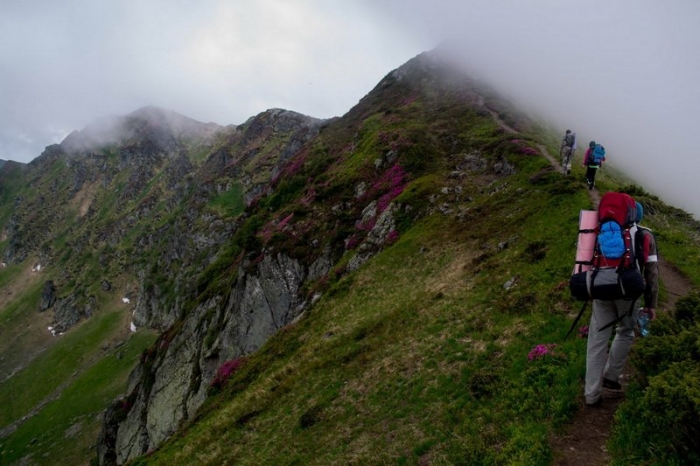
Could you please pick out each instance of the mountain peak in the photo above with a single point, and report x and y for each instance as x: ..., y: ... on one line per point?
x: 120, y: 129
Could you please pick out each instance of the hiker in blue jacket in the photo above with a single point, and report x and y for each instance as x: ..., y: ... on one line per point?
x: 603, y: 366
x: 593, y: 160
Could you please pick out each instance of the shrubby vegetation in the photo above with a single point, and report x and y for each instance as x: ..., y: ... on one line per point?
x: 659, y: 423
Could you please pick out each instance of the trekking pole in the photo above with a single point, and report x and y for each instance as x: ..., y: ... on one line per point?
x: 578, y: 317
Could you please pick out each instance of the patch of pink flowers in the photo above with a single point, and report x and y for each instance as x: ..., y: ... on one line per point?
x: 274, y: 226
x: 310, y: 193
x: 392, y: 182
x: 352, y: 242
x: 529, y: 151
x: 392, y: 237
x: 226, y: 370
x: 367, y: 225
x: 524, y: 148
x: 541, y: 351
x: 293, y: 167
x: 583, y: 331
x: 284, y: 221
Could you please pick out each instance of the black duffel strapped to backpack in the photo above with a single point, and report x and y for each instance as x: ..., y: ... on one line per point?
x: 607, y: 284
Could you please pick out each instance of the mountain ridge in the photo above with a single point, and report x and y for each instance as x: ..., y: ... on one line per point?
x: 237, y: 243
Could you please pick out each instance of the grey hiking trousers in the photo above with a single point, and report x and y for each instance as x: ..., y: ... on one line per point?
x: 601, y: 363
x: 566, y: 156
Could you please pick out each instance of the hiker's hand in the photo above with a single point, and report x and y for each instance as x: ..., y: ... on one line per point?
x: 649, y: 311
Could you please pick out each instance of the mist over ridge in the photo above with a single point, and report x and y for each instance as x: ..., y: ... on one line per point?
x: 621, y: 73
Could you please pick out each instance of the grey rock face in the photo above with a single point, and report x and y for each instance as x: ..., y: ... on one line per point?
x: 261, y: 304
x: 168, y: 388
x: 377, y: 236
x: 70, y: 310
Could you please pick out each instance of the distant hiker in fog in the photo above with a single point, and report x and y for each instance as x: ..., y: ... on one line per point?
x: 603, y: 366
x: 593, y: 160
x: 567, y: 149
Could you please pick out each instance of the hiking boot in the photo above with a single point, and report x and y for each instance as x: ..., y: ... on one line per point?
x: 611, y: 384
x: 594, y: 404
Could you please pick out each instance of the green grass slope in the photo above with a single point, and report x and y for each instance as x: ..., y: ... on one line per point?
x: 424, y: 356
x: 54, y: 399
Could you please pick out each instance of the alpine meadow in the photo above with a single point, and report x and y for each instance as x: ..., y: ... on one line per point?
x: 386, y: 287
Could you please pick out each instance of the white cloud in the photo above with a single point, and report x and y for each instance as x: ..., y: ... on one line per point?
x: 623, y: 72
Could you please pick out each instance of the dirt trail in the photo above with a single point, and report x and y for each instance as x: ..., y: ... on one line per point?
x: 583, y: 442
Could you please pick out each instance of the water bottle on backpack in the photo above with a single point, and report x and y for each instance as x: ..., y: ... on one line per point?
x: 643, y: 321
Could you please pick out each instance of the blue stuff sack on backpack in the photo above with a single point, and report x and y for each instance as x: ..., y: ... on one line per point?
x: 610, y: 240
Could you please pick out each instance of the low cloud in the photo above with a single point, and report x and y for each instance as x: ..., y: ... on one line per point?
x: 623, y: 73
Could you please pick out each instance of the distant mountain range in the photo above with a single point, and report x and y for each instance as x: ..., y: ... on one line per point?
x: 294, y: 290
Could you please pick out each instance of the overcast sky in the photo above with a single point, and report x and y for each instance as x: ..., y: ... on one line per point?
x: 625, y: 72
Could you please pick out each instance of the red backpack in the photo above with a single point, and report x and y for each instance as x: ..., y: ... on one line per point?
x: 614, y: 273
x: 617, y: 213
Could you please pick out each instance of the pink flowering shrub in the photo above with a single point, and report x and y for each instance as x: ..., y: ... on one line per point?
x: 226, y: 370
x: 294, y: 167
x: 273, y: 227
x: 392, y: 237
x: 284, y: 221
x: 523, y: 148
x: 409, y: 100
x: 542, y: 350
x: 392, y: 183
x: 394, y: 140
x: 367, y: 225
x: 310, y: 195
x: 352, y: 242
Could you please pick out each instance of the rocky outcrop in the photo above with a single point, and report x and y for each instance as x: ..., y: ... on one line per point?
x: 171, y: 384
x: 48, y: 295
x: 70, y: 310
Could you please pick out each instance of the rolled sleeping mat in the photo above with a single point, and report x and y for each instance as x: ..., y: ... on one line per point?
x: 585, y: 245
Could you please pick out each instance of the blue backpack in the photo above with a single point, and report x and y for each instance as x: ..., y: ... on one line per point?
x: 598, y: 155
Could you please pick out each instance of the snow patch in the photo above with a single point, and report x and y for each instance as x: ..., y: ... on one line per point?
x: 132, y: 327
x: 126, y: 300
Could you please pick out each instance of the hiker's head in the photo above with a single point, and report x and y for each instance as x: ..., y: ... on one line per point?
x: 591, y: 144
x: 568, y: 131
x: 640, y: 212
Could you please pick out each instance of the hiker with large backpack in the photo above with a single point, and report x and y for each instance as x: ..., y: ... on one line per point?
x: 623, y: 267
x: 566, y: 150
x: 593, y: 160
